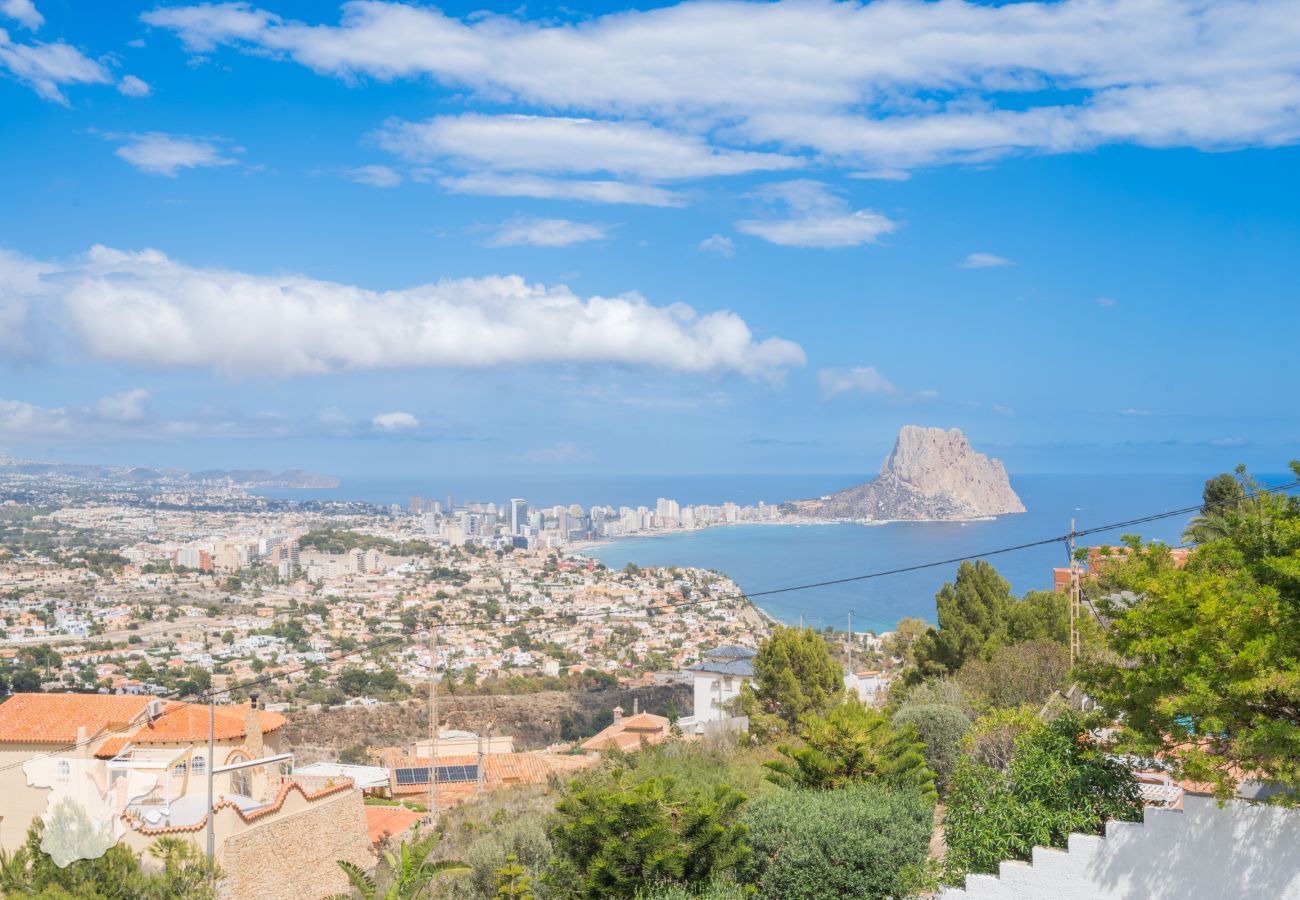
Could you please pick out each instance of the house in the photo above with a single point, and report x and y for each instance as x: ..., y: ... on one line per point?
x: 718, y: 679
x: 868, y: 685
x: 630, y: 733
x: 135, y: 768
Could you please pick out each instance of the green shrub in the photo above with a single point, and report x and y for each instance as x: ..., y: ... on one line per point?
x: 613, y: 840
x: 865, y: 841
x: 1057, y: 783
x: 941, y: 727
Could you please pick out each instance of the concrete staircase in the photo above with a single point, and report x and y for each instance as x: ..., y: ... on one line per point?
x: 1240, y: 850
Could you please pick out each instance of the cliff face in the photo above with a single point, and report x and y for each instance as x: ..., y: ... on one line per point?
x: 930, y: 474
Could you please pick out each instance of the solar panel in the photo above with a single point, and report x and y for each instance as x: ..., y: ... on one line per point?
x: 418, y: 775
x: 449, y: 774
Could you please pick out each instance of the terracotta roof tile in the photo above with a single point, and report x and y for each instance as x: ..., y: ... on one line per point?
x: 54, y: 718
x: 385, y: 821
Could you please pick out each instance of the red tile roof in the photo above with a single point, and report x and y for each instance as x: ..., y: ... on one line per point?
x: 54, y: 718
x: 383, y: 822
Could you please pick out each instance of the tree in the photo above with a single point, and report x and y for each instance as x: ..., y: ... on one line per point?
x: 1209, y: 655
x: 852, y: 744
x: 1058, y: 782
x: 25, y: 681
x: 794, y: 675
x: 1017, y: 674
x: 1223, y: 498
x: 185, y: 872
x: 865, y: 841
x: 613, y: 839
x: 899, y: 644
x: 513, y: 880
x: 403, y: 875
x: 973, y: 611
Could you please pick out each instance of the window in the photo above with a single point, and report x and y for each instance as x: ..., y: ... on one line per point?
x: 198, y: 764
x: 64, y: 770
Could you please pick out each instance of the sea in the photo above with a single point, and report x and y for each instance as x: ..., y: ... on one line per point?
x: 763, y: 558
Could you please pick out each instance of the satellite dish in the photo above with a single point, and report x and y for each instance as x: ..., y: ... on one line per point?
x: 153, y: 817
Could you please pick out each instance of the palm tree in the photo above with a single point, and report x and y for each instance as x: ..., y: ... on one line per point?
x: 1210, y: 525
x: 405, y: 875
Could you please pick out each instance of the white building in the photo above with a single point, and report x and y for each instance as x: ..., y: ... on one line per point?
x: 718, y: 679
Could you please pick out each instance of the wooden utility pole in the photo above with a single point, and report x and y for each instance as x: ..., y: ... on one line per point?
x: 851, y: 673
x: 1075, y: 590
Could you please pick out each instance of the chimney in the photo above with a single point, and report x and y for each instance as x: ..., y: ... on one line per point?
x: 618, y: 714
x: 253, y: 727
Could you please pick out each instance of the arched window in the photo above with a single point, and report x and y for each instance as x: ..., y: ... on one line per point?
x: 198, y: 764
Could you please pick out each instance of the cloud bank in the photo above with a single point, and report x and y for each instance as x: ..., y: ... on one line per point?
x: 145, y: 309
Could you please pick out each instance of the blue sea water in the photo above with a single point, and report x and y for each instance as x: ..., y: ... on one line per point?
x: 767, y: 557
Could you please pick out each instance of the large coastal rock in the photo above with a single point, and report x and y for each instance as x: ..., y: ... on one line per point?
x: 930, y: 474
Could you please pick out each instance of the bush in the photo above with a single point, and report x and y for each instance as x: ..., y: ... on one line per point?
x: 1017, y: 674
x: 864, y: 841
x: 941, y: 727
x: 1058, y: 782
x: 612, y: 840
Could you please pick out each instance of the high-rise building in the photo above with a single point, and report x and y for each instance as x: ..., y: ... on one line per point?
x: 416, y: 505
x: 518, y: 516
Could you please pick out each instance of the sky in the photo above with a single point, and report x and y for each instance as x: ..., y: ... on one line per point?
x: 704, y: 237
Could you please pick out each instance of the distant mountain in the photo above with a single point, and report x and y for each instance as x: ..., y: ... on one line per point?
x: 291, y: 478
x: 243, y: 478
x: 930, y: 474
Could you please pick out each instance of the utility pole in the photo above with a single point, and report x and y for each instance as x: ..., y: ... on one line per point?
x: 212, y: 762
x: 433, y: 720
x: 1074, y: 599
x: 851, y: 674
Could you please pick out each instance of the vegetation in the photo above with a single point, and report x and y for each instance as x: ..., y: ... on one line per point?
x: 852, y: 744
x: 612, y: 840
x: 865, y: 840
x: 1057, y: 782
x: 1209, y: 655
x: 1017, y: 674
x: 184, y: 874
x: 795, y: 675
x: 404, y: 874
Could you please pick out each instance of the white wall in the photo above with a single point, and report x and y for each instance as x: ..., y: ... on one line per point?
x: 1204, y: 852
x: 707, y: 694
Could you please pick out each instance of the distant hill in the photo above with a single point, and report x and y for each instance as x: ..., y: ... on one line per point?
x: 930, y: 474
x: 243, y: 478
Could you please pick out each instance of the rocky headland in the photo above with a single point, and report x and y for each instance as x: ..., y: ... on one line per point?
x: 930, y: 474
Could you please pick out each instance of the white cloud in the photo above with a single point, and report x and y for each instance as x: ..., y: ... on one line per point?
x: 817, y: 218
x: 1105, y: 302
x: 375, y: 176
x: 395, y: 421
x: 22, y: 11
x: 25, y: 420
x: 545, y: 144
x: 985, y: 261
x: 1002, y: 410
x: 156, y: 153
x: 125, y: 406
x: 880, y: 87
x: 1134, y: 412
x: 522, y: 231
x: 494, y: 185
x: 858, y: 380
x: 142, y: 308
x: 1229, y: 442
x: 719, y: 244
x: 131, y: 86
x: 45, y: 68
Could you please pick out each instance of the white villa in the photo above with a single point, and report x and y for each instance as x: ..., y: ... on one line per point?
x: 718, y: 679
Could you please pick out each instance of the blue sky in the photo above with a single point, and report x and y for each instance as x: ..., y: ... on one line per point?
x: 704, y: 237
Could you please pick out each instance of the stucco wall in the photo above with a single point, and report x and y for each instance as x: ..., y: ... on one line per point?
x: 1241, y: 850
x: 296, y: 857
